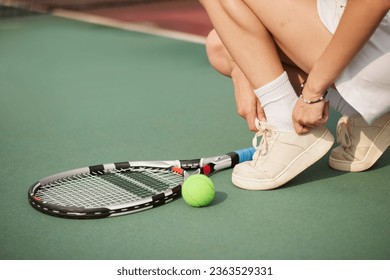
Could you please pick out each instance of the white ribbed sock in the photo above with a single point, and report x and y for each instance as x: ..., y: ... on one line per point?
x: 278, y: 99
x: 339, y: 104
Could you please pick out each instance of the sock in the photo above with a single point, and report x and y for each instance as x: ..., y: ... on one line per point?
x: 278, y: 99
x: 339, y: 104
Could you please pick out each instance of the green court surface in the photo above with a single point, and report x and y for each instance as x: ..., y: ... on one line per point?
x: 74, y: 94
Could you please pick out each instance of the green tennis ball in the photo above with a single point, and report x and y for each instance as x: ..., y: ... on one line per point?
x: 198, y: 190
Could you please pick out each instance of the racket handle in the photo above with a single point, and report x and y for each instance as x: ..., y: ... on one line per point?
x: 245, y: 154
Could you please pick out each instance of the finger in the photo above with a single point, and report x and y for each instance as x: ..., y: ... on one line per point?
x: 297, y: 127
x: 250, y: 120
x: 300, y: 128
x: 251, y: 126
x: 326, y: 111
x: 260, y: 112
x: 304, y: 130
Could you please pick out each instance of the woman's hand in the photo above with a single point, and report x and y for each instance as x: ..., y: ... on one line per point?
x: 307, y: 116
x: 248, y: 105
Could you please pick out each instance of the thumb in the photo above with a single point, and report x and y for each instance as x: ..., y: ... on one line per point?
x: 260, y: 112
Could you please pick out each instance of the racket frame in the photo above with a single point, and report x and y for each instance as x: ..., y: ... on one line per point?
x: 206, y: 166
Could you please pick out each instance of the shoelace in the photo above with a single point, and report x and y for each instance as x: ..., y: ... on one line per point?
x: 264, y: 131
x: 344, y: 133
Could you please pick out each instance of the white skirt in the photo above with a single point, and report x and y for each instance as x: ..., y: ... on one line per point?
x: 365, y: 82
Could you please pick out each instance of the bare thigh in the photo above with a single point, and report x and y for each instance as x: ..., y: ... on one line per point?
x: 296, y: 28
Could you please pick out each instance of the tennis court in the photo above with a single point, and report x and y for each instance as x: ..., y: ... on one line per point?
x: 74, y: 93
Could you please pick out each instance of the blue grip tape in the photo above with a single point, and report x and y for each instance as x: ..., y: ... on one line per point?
x: 245, y: 154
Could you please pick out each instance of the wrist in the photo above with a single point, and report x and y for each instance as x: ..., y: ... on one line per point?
x: 318, y: 81
x: 312, y: 96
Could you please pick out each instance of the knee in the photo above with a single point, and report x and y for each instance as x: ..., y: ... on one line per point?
x: 217, y: 54
x: 214, y: 45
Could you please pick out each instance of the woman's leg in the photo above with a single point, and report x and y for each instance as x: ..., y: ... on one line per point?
x: 281, y: 154
x: 254, y: 50
x: 248, y: 105
x: 251, y: 31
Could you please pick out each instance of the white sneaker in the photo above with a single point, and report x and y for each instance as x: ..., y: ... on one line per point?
x: 361, y: 145
x: 280, y: 156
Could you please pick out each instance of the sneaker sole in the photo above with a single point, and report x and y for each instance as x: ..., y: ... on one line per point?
x: 314, y: 153
x: 378, y: 147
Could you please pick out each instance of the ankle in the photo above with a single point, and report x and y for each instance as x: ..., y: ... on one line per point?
x: 278, y: 100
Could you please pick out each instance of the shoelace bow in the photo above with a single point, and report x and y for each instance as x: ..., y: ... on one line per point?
x: 264, y: 131
x: 344, y: 133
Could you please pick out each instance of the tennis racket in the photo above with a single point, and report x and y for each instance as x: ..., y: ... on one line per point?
x: 115, y: 189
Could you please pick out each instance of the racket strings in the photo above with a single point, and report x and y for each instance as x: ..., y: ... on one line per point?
x: 82, y: 191
x: 113, y: 187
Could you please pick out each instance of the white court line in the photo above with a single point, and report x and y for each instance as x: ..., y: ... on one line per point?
x: 129, y: 26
